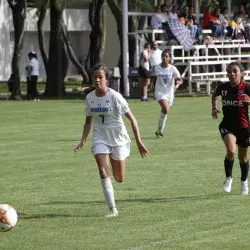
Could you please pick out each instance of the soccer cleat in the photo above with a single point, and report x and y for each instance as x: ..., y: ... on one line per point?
x: 228, y: 184
x: 158, y: 134
x: 244, y: 187
x: 113, y: 212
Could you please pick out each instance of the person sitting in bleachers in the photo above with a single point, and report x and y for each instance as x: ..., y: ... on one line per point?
x: 188, y: 22
x: 164, y: 12
x: 240, y: 11
x: 212, y: 22
x: 157, y: 20
x: 224, y: 19
x: 173, y: 13
x: 191, y: 15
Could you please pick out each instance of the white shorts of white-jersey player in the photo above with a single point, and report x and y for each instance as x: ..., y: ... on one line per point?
x: 111, y: 142
x: 167, y: 80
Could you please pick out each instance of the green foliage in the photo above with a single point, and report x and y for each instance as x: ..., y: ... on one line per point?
x: 171, y: 200
x: 139, y: 5
x: 212, y: 3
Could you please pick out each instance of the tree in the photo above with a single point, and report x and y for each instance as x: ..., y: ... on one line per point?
x: 72, y: 55
x: 97, y: 20
x: 19, y: 15
x: 42, y: 14
x: 58, y: 61
x: 60, y: 49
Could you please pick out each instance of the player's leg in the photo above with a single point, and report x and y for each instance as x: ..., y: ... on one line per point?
x: 230, y: 144
x: 144, y: 82
x: 117, y: 159
x: 101, y: 153
x: 118, y: 168
x: 244, y: 166
x: 163, y: 116
x: 243, y: 141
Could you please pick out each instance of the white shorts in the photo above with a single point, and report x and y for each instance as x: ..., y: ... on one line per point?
x: 160, y: 96
x: 117, y: 152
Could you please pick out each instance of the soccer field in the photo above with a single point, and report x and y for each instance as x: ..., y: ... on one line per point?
x: 171, y: 200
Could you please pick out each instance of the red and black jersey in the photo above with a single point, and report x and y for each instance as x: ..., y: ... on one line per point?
x: 235, y: 111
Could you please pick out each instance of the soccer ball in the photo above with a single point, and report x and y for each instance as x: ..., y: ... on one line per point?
x: 8, y: 217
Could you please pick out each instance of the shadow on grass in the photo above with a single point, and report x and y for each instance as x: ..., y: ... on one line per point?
x: 48, y: 216
x: 141, y: 200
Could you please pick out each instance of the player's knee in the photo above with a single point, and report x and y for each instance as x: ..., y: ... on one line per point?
x: 243, y: 159
x: 103, y: 173
x: 119, y: 179
x: 230, y: 154
x: 164, y: 111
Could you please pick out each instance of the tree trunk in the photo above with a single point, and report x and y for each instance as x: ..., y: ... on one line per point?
x: 57, y: 54
x: 72, y: 55
x: 19, y: 15
x: 41, y: 39
x: 97, y: 20
x: 116, y: 11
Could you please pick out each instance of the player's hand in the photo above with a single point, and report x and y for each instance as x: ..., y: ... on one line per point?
x: 215, y: 113
x: 245, y: 98
x: 142, y: 149
x: 79, y: 147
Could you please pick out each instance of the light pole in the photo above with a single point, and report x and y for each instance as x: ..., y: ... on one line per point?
x: 125, y: 61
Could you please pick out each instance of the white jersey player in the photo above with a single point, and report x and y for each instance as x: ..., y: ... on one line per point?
x: 111, y: 142
x: 167, y: 80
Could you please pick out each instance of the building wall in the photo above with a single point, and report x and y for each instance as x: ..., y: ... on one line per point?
x: 78, y: 27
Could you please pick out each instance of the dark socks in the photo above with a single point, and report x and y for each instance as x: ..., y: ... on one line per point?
x: 228, y: 167
x: 244, y: 170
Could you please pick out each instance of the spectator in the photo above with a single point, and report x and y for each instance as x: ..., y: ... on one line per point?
x: 207, y: 16
x: 144, y: 73
x: 32, y: 69
x: 223, y: 17
x: 155, y: 57
x: 173, y: 13
x: 157, y: 19
x: 191, y: 15
x: 164, y: 12
x: 240, y: 11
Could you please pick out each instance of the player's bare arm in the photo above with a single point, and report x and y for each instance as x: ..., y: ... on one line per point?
x: 142, y: 149
x: 215, y: 105
x: 85, y: 133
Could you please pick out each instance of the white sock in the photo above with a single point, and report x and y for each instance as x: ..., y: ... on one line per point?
x: 144, y: 97
x: 162, y: 122
x: 108, y: 192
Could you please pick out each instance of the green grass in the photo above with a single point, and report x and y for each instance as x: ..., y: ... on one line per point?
x: 171, y: 200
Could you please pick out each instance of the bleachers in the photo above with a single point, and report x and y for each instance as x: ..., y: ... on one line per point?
x: 195, y: 65
x: 207, y: 77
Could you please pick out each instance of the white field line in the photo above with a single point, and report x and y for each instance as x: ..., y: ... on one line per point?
x: 187, y: 236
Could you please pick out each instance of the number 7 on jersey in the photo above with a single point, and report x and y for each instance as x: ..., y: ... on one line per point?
x: 102, y: 116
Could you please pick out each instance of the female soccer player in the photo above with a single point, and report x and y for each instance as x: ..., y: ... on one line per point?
x: 234, y: 127
x: 111, y: 142
x: 167, y: 80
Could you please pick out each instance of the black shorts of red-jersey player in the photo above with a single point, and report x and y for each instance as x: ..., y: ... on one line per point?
x: 235, y: 112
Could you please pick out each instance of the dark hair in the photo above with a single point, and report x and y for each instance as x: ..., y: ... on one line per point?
x: 32, y: 54
x: 166, y: 51
x: 163, y: 6
x: 239, y: 65
x: 147, y: 45
x: 236, y: 63
x: 100, y: 66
